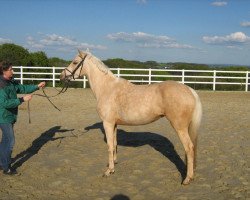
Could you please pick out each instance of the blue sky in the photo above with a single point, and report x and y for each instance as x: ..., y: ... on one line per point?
x: 197, y: 31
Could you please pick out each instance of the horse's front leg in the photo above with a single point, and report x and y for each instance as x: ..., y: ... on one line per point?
x: 115, y: 144
x: 109, y: 131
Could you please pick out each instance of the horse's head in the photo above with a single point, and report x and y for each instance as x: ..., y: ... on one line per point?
x: 75, y: 68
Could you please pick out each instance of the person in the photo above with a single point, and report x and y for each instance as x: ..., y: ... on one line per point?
x: 9, y: 102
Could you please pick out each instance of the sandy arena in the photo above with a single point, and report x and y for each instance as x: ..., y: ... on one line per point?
x: 63, y: 155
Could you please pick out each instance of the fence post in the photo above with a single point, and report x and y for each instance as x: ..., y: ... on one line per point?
x: 183, y: 76
x: 84, y: 82
x: 21, y: 74
x: 214, y: 80
x: 53, y: 76
x: 118, y: 72
x: 149, y: 75
x: 247, y: 81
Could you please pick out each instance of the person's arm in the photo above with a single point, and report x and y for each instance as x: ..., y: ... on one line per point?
x: 27, y: 89
x: 8, y: 103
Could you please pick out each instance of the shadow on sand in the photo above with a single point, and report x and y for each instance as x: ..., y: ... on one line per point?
x: 37, y: 144
x: 120, y: 197
x: 158, y: 142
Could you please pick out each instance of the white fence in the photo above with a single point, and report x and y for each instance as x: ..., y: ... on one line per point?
x: 213, y: 78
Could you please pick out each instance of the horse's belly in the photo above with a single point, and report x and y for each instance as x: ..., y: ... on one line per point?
x: 137, y: 118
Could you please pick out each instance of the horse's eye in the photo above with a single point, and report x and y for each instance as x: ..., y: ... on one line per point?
x: 75, y: 62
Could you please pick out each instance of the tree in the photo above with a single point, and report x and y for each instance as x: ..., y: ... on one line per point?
x: 15, y: 54
x: 57, y: 62
x: 189, y: 66
x: 152, y: 64
x: 38, y: 59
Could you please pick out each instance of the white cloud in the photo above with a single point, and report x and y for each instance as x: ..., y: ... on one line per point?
x: 234, y: 47
x: 245, y: 24
x: 234, y: 38
x: 3, y: 40
x: 32, y: 43
x: 141, y: 1
x: 219, y: 3
x: 146, y: 40
x: 138, y: 37
x: 54, y: 39
x: 61, y: 43
x: 90, y: 46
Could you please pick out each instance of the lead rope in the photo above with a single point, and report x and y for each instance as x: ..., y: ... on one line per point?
x: 64, y: 89
x: 47, y: 97
x: 29, y: 112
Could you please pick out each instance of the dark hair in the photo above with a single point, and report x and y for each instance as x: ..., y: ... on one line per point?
x: 4, y: 66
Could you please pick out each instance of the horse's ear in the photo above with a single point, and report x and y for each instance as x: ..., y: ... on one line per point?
x: 81, y: 54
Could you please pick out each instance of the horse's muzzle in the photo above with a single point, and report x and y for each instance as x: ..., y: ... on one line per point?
x: 62, y: 76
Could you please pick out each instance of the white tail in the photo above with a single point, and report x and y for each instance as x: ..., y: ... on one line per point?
x: 195, y: 123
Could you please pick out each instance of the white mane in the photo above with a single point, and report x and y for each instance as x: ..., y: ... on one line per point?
x: 99, y: 64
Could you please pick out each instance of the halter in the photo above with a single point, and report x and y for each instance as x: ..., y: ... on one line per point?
x: 66, y: 81
x: 80, y: 64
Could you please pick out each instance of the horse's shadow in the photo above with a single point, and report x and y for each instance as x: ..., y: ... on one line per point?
x: 37, y: 144
x: 158, y: 142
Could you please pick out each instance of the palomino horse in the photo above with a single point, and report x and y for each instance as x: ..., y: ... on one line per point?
x: 120, y: 102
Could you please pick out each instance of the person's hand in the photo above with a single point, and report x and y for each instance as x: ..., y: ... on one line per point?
x: 27, y: 97
x: 42, y: 84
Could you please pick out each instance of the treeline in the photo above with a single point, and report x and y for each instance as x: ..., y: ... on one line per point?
x: 238, y: 77
x: 120, y: 63
x: 20, y: 56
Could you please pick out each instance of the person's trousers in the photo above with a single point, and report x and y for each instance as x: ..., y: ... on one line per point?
x: 6, y: 145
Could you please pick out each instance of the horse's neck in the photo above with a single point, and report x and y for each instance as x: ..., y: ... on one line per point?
x: 99, y: 81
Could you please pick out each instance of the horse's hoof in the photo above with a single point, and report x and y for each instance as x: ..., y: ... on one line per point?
x: 187, y: 181
x: 108, y: 172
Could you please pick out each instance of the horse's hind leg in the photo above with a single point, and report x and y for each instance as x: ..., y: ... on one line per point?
x: 189, y: 149
x: 109, y: 131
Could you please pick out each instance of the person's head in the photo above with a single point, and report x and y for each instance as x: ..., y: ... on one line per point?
x: 6, y: 70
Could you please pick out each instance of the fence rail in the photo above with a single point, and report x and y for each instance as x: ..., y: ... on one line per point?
x: 213, y: 78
